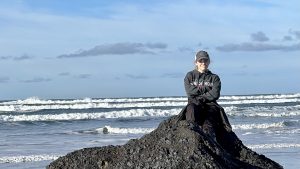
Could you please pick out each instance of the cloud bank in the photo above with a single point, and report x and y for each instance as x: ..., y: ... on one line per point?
x: 259, y: 44
x: 4, y: 79
x: 118, y: 49
x: 257, y: 47
x: 137, y: 77
x: 37, y: 80
x: 16, y: 58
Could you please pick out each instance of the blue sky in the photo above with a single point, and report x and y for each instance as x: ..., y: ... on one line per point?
x: 77, y: 49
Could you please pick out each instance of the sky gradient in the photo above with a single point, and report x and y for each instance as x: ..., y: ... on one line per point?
x: 76, y: 49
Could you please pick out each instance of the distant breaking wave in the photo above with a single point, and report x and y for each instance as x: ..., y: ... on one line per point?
x: 261, y: 97
x: 263, y: 111
x: 87, y: 105
x: 97, y: 115
x: 136, y: 113
x: 274, y: 145
x: 35, y: 104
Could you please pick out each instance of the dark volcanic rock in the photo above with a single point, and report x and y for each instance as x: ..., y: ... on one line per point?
x: 171, y: 145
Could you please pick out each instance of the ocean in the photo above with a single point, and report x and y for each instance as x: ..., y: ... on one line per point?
x: 34, y: 132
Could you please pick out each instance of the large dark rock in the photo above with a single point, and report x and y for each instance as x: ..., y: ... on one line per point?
x: 172, y: 145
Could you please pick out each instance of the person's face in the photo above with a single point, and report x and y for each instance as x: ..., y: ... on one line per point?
x: 202, y: 64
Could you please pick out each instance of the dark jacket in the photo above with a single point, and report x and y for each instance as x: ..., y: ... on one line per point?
x: 202, y: 86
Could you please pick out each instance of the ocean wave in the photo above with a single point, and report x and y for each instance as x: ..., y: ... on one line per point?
x: 257, y: 126
x: 264, y: 114
x: 261, y: 97
x: 35, y: 104
x: 289, y: 131
x: 133, y: 113
x: 91, y: 105
x: 260, y: 101
x: 36, y: 100
x: 31, y: 108
x: 147, y: 112
x: 29, y: 158
x: 285, y: 123
x: 264, y: 111
x: 292, y: 123
x: 117, y: 130
x: 274, y: 145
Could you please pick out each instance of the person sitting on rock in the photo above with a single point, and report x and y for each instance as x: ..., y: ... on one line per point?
x: 203, y: 90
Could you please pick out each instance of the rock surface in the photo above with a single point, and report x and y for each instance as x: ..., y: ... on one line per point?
x: 171, y: 145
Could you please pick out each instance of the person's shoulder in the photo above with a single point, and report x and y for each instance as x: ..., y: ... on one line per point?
x: 190, y: 72
x: 213, y: 74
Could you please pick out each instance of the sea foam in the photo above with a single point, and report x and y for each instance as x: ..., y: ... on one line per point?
x: 29, y: 158
x: 35, y: 104
x: 132, y: 113
x: 117, y: 130
x: 274, y: 145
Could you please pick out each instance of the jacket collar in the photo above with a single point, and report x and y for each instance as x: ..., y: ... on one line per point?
x: 206, y: 72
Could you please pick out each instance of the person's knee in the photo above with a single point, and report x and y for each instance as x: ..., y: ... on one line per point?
x: 213, y: 113
x: 191, y: 106
x: 190, y: 112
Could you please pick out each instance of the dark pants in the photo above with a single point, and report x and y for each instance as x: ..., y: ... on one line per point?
x: 195, y: 113
x: 207, y: 116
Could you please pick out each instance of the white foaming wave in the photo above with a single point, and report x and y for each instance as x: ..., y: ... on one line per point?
x: 154, y: 99
x: 264, y: 114
x: 36, y: 100
x: 260, y: 97
x: 230, y: 108
x: 260, y: 101
x: 117, y: 130
x: 284, y: 131
x: 28, y: 158
x: 87, y: 105
x: 274, y: 145
x: 289, y: 131
x: 247, y: 133
x: 257, y: 126
x: 85, y: 116
x: 34, y: 103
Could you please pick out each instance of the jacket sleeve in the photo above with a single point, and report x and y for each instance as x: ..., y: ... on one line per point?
x: 214, y: 93
x: 190, y: 89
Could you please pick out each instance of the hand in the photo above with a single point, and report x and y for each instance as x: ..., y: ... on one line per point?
x: 201, y: 99
x: 201, y: 89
